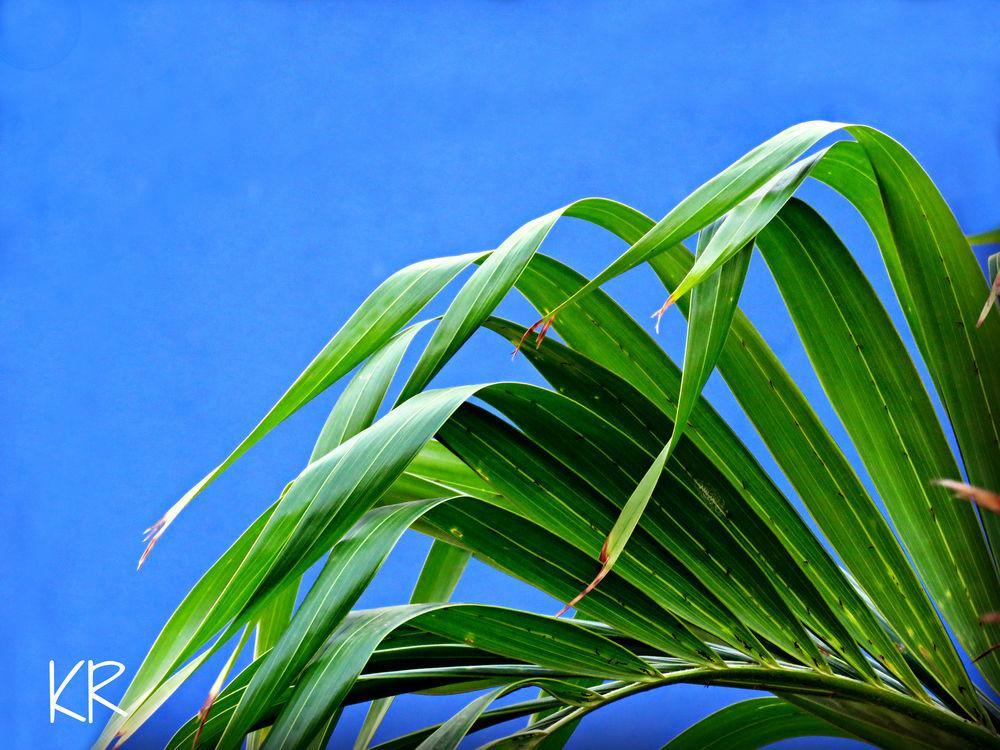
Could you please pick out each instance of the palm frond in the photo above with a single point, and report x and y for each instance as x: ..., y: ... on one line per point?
x: 620, y: 469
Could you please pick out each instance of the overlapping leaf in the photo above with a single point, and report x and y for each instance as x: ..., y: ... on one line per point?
x: 940, y: 287
x: 380, y: 316
x: 864, y: 368
x: 601, y: 330
x: 751, y: 724
x: 351, y: 566
x: 721, y: 581
x: 552, y: 643
x: 712, y: 308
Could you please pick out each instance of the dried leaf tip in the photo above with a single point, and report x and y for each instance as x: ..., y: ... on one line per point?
x: 979, y: 496
x: 203, y: 712
x: 528, y: 331
x: 151, y: 536
x: 605, y: 569
x: 542, y: 327
x: 148, y: 533
x: 590, y: 587
x: 659, y: 313
x: 544, y: 330
x: 990, y: 301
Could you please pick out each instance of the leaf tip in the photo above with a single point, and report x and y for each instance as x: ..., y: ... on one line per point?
x: 544, y: 330
x: 658, y: 315
x: 990, y: 301
x: 528, y: 331
x: 605, y: 569
x: 542, y: 327
x: 203, y: 712
x: 151, y: 536
x: 962, y: 491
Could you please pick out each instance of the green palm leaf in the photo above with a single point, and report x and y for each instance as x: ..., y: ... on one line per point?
x: 752, y: 724
x: 865, y: 370
x: 379, y: 317
x: 708, y: 574
x: 712, y: 307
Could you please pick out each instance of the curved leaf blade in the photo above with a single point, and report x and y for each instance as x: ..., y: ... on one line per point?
x: 712, y: 307
x: 599, y: 329
x: 864, y: 368
x: 553, y: 643
x: 385, y: 311
x: 713, y: 199
x: 752, y: 724
x: 940, y: 287
x: 352, y: 564
x: 452, y: 732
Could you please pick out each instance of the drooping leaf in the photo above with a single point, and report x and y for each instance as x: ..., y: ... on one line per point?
x: 384, y: 312
x: 597, y: 327
x: 357, y: 406
x: 875, y: 388
x: 494, y: 279
x: 369, y: 685
x: 322, y: 504
x: 528, y: 552
x: 550, y: 496
x: 831, y: 490
x: 606, y: 460
x: 353, y: 412
x: 577, y: 456
x: 712, y: 307
x: 752, y: 724
x: 553, y: 643
x: 352, y: 564
x: 166, y: 652
x: 713, y: 199
x: 940, y: 287
x: 742, y: 224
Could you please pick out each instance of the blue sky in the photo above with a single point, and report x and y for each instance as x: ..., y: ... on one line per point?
x: 194, y: 196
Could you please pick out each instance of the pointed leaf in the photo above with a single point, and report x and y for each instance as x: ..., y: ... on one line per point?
x: 387, y: 309
x: 867, y: 373
x: 712, y: 307
x: 452, y: 732
x: 752, y: 724
x: 713, y: 199
x: 597, y: 327
x: 553, y: 643
x: 352, y: 564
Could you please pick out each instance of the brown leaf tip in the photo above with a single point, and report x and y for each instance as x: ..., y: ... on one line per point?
x: 542, y: 327
x: 203, y: 712
x: 990, y: 301
x: 659, y: 313
x: 590, y: 587
x: 962, y: 491
x: 151, y: 536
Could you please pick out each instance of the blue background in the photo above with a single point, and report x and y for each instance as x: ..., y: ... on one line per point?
x: 194, y: 196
